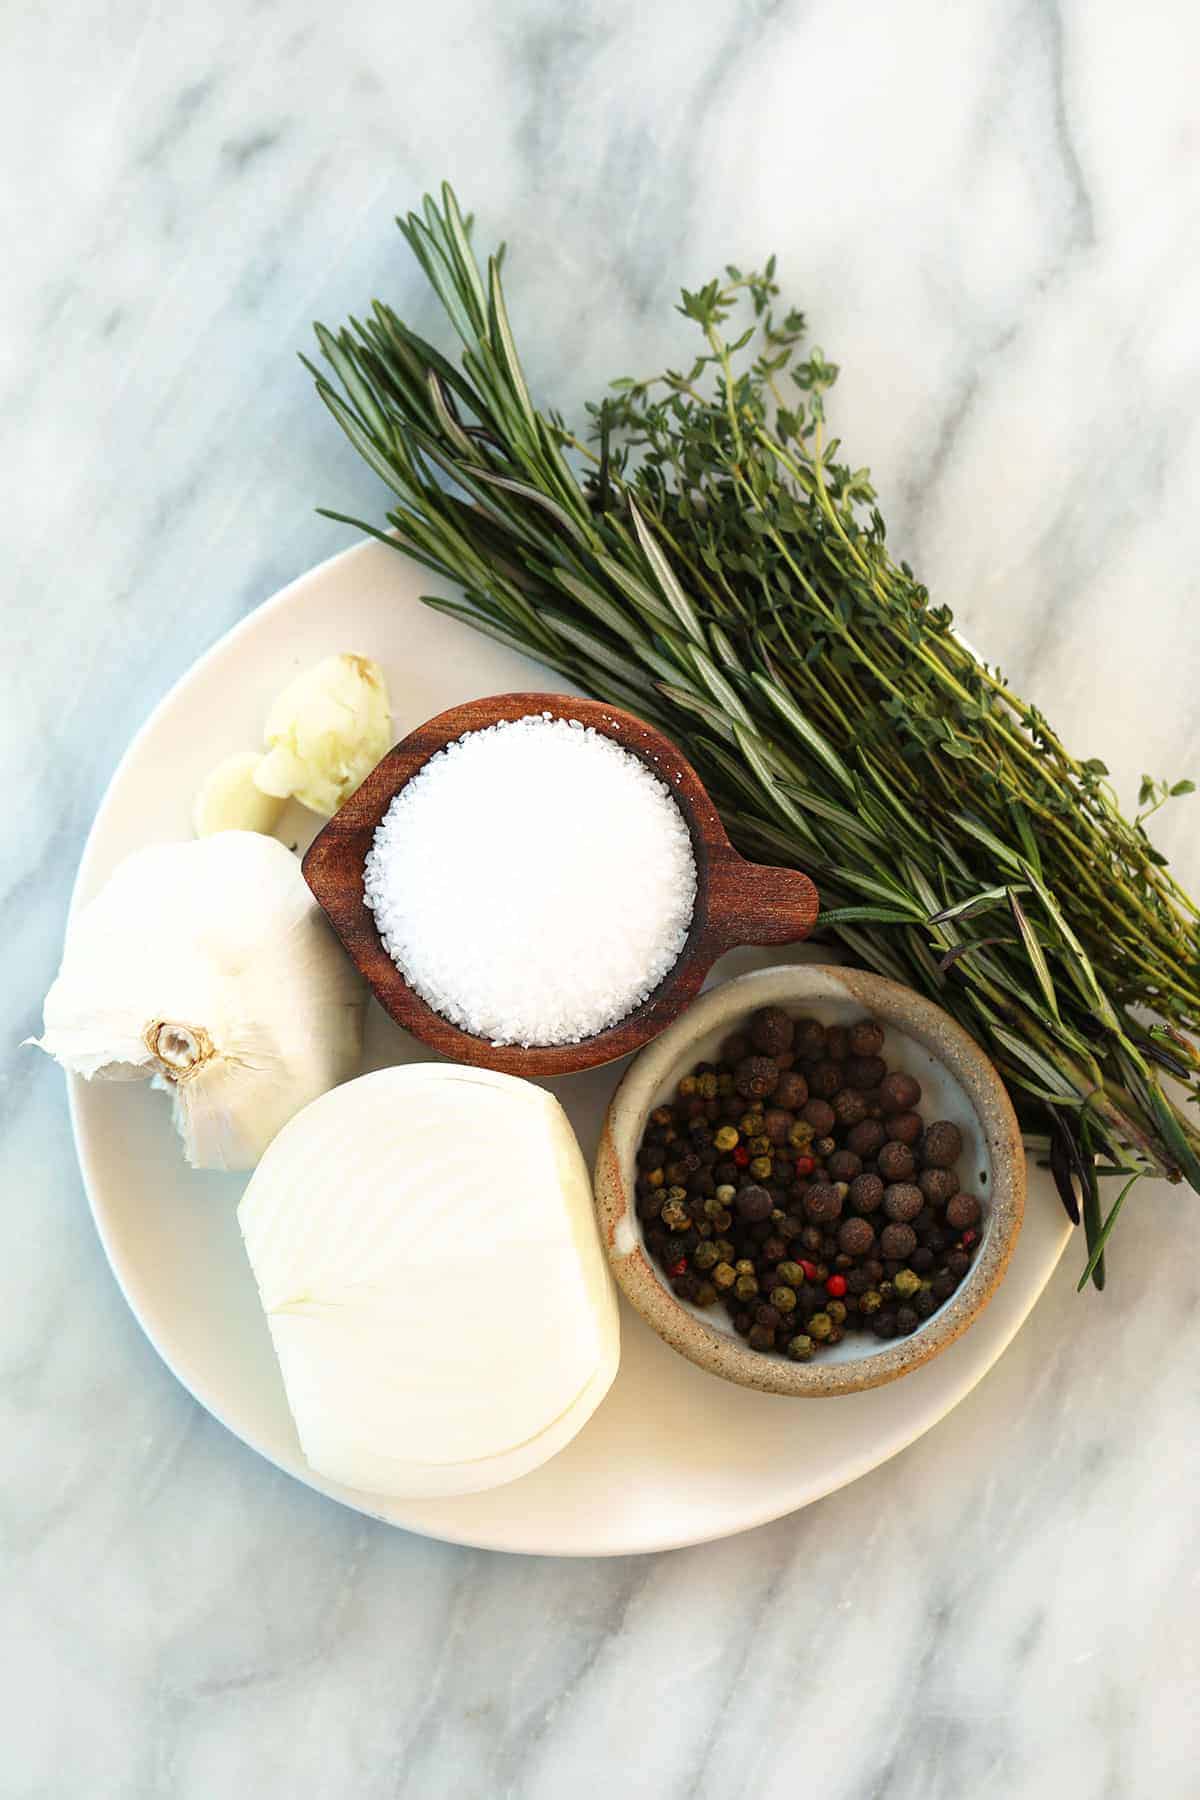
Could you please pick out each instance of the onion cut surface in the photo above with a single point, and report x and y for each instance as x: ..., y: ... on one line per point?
x: 426, y: 1253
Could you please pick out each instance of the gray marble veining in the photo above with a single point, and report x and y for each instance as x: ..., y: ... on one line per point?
x: 989, y: 214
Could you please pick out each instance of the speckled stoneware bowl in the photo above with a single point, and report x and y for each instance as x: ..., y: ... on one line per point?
x: 958, y: 1082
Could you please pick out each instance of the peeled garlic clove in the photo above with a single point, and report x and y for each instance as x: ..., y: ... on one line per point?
x: 209, y: 968
x: 326, y: 732
x: 229, y: 800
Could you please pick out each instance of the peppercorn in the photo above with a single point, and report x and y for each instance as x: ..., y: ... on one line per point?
x: 820, y: 1115
x: 735, y: 1049
x: 706, y: 1087
x: 820, y: 1326
x: 937, y: 1241
x: 865, y: 1072
x: 800, y: 1348
x: 753, y: 1204
x: 746, y: 1287
x: 902, y: 1202
x: 836, y: 1285
x: 760, y: 1337
x: 791, y: 1272
x: 783, y: 1298
x: 771, y: 1031
x: 724, y: 1275
x: 884, y: 1324
x: 675, y: 1215
x: 706, y: 1256
x: 896, y: 1161
x: 866, y: 1193
x: 791, y: 1091
x: 685, y: 1287
x: 761, y: 1167
x: 963, y: 1211
x: 942, y: 1286
x: 706, y: 1294
x: 907, y: 1320
x: 824, y: 1146
x: 938, y: 1185
x: 906, y: 1283
x: 656, y: 1178
x: 855, y: 1236
x: 836, y: 1311
x: 865, y: 1038
x: 776, y: 1125
x: 957, y: 1263
x: 759, y: 1145
x: 756, y: 1077
x: 687, y: 1087
x: 725, y: 1083
x: 774, y: 1250
x: 766, y: 1314
x: 825, y: 1079
x: 923, y: 1303
x: 651, y: 1156
x: 904, y: 1128
x: 849, y: 1107
x: 725, y: 1137
x: 899, y: 1093
x: 661, y: 1116
x: 801, y: 1135
x: 870, y: 1302
x: 942, y: 1145
x: 922, y: 1259
x: 822, y: 1202
x: 742, y: 1323
x: 865, y: 1138
x: 897, y: 1241
x: 722, y: 1220
x: 725, y: 1249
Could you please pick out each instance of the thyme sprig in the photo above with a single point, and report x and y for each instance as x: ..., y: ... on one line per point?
x: 705, y: 555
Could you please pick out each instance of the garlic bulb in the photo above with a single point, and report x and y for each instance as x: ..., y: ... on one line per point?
x: 326, y: 732
x: 209, y: 968
x: 229, y: 799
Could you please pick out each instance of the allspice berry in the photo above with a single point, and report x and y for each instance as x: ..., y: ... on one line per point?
x: 866, y: 1038
x: 938, y: 1185
x: 942, y: 1146
x: 866, y: 1139
x: 791, y: 1091
x: 823, y: 1202
x: 897, y: 1241
x: 825, y: 1079
x: 820, y: 1115
x: 905, y: 1128
x: 866, y: 1193
x: 962, y: 1212
x: 756, y: 1078
x: 902, y: 1202
x: 865, y: 1071
x: 899, y: 1093
x: 771, y: 1031
x: 855, y: 1236
x: 896, y: 1162
x: 849, y: 1107
x: 843, y: 1165
x: 808, y: 1039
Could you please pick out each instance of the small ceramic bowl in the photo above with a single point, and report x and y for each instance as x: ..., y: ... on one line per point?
x: 737, y: 902
x: 957, y: 1081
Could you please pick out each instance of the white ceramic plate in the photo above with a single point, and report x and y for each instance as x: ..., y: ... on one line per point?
x: 641, y: 1475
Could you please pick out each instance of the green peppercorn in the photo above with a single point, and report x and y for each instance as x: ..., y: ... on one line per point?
x: 675, y: 1215
x: 791, y: 1272
x: 724, y: 1275
x: 746, y: 1287
x: 820, y: 1326
x: 725, y: 1250
x: 677, y: 1192
x: 760, y: 1337
x: 724, y: 1084
x: 782, y: 1298
x: 906, y: 1283
x: 745, y: 1266
x: 706, y: 1087
x: 706, y: 1256
x: 759, y: 1146
x: 801, y: 1135
x: 761, y: 1167
x: 706, y: 1294
x: 837, y: 1312
x: 800, y: 1348
x: 748, y: 1124
x: 871, y: 1301
x: 726, y: 1193
x: 723, y: 1220
x: 687, y: 1087
x: 726, y: 1137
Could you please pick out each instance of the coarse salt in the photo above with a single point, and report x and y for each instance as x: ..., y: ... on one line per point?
x: 533, y: 882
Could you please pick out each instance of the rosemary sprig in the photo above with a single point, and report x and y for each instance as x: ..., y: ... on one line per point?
x: 706, y: 557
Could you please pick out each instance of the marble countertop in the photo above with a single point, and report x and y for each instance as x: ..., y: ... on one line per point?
x: 988, y: 213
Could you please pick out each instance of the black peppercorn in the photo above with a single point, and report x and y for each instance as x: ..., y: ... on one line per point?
x: 884, y: 1324
x: 957, y: 1263
x: 921, y: 1260
x: 843, y: 1165
x: 808, y: 1039
x: 753, y: 1204
x: 942, y: 1286
x: 760, y: 1337
x: 906, y: 1320
x: 923, y: 1303
x: 942, y: 1145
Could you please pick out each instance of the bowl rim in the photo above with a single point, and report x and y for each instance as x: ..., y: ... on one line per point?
x: 910, y: 1014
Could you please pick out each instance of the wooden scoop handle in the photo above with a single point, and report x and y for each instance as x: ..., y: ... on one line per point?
x: 753, y: 903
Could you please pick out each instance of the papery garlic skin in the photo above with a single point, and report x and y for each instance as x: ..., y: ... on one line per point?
x: 228, y: 799
x: 209, y: 968
x: 326, y: 732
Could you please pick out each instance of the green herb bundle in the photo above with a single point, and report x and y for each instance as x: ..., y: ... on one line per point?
x: 708, y: 559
